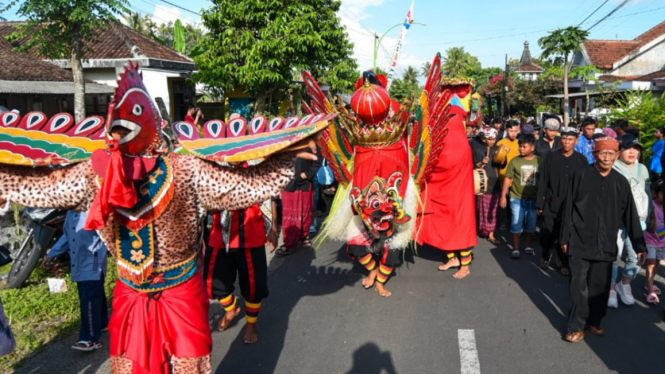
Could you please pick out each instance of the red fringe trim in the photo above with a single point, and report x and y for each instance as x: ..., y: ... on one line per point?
x: 151, y: 215
x: 134, y: 277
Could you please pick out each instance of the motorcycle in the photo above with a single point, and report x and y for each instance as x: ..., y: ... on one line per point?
x: 44, y: 229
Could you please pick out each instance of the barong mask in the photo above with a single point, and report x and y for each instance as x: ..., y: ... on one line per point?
x: 380, y: 206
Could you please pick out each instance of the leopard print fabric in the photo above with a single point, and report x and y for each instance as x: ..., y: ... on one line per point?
x: 200, y: 186
x: 195, y: 365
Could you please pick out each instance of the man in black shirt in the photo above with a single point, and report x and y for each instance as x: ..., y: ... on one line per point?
x: 550, y: 142
x: 598, y: 202
x: 558, y: 168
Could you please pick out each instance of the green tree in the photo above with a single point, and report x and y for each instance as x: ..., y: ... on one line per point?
x: 407, y: 87
x: 586, y: 73
x: 424, y: 70
x: 166, y: 34
x: 56, y: 29
x: 257, y: 44
x: 641, y: 109
x: 558, y: 47
x: 458, y: 63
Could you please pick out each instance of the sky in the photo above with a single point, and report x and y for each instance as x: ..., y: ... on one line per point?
x: 488, y: 29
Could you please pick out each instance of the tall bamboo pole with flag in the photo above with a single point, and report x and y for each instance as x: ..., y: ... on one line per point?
x: 398, y: 48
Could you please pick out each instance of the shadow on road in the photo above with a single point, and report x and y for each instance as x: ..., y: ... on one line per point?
x: 635, y: 333
x: 369, y: 359
x: 290, y: 280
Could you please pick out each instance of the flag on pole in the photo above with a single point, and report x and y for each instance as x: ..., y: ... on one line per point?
x: 398, y: 48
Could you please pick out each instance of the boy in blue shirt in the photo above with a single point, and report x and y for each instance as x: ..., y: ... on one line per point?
x: 88, y: 263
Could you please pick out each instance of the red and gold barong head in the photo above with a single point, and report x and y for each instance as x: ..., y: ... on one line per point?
x: 379, y: 120
x: 133, y: 109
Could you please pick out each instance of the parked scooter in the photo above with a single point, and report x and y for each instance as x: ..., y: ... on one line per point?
x: 45, y: 229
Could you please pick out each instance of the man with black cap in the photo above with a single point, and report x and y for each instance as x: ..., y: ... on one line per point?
x: 558, y: 168
x: 598, y: 202
x: 550, y: 142
x: 637, y: 174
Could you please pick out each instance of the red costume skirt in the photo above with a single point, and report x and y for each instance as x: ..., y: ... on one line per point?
x: 297, y: 212
x: 148, y: 330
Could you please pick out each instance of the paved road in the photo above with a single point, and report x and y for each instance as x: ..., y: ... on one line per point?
x: 507, y: 317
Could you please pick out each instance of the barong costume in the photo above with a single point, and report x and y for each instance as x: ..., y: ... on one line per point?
x: 380, y: 165
x: 147, y: 207
x: 448, y: 220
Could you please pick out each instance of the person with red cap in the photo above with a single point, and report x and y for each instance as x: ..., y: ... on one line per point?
x: 598, y: 203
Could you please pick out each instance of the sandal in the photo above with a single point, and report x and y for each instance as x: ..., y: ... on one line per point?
x: 529, y: 251
x: 544, y: 264
x: 493, y: 241
x: 283, y: 251
x: 515, y: 253
x: 564, y: 271
x: 652, y: 298
x: 307, y: 243
x: 656, y: 290
x: 86, y: 346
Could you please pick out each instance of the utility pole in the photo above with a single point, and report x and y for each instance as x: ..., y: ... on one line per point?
x: 504, y: 92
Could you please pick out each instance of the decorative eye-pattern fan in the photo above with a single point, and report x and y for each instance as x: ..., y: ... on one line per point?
x: 37, y: 140
x: 248, y: 141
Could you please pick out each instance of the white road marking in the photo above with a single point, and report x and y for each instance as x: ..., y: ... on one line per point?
x: 468, y: 353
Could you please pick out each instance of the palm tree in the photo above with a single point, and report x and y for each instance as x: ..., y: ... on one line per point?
x: 134, y: 21
x: 559, y: 45
x: 424, y: 70
x: 411, y: 75
x: 457, y: 60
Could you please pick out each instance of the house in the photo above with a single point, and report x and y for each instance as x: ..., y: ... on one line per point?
x: 527, y: 69
x: 28, y: 84
x: 637, y: 64
x: 165, y: 71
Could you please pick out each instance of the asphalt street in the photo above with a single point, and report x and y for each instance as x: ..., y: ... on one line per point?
x: 508, y: 316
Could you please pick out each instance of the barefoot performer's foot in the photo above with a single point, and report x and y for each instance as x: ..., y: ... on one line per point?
x: 462, y: 272
x: 452, y: 263
x: 228, y: 318
x: 369, y: 280
x: 381, y: 289
x: 250, y: 334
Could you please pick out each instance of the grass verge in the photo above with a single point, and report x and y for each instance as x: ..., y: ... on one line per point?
x: 38, y: 317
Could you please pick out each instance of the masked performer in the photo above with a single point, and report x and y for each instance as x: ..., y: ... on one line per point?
x: 379, y: 169
x: 448, y: 221
x: 147, y: 207
x: 237, y: 250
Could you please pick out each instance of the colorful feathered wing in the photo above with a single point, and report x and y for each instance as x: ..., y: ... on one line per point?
x: 335, y: 143
x: 248, y: 141
x: 429, y: 130
x: 35, y: 140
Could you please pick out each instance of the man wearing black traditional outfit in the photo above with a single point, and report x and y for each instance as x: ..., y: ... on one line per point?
x: 550, y: 142
x: 558, y: 168
x: 598, y: 202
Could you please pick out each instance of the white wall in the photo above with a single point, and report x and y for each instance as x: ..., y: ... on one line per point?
x: 156, y: 81
x: 650, y: 61
x: 104, y: 76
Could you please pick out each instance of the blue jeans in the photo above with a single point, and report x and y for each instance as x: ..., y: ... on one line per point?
x: 523, y: 216
x: 94, y: 311
x: 630, y: 269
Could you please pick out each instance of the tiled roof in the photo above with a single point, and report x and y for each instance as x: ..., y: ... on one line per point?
x: 119, y: 42
x: 614, y: 78
x: 655, y: 75
x: 604, y: 53
x: 19, y: 66
x: 530, y: 68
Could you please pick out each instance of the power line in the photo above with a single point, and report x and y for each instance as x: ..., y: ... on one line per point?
x: 594, y: 12
x: 179, y: 7
x: 623, y: 3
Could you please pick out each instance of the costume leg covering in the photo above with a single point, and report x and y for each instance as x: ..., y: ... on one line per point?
x: 466, y: 257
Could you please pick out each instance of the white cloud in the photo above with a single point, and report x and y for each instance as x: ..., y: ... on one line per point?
x: 165, y: 14
x: 351, y: 14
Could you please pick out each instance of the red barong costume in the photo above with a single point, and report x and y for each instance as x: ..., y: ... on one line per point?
x: 147, y: 207
x: 448, y: 220
x: 381, y: 164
